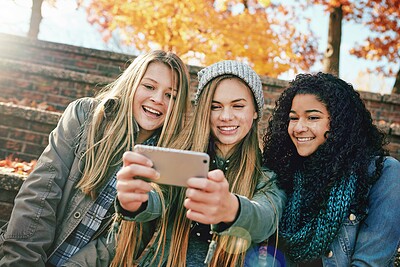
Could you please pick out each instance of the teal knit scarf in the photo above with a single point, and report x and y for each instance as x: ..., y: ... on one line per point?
x: 309, y: 240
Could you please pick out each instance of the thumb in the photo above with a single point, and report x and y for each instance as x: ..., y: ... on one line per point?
x: 216, y: 176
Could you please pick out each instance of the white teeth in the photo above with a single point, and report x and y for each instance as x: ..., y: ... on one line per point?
x: 228, y: 128
x: 303, y: 139
x: 152, y: 110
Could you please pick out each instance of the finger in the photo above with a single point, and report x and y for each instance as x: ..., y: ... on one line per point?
x: 132, y: 202
x: 130, y: 157
x: 134, y: 170
x: 200, y: 207
x: 198, y: 183
x: 199, y: 195
x: 126, y: 199
x: 216, y: 176
x: 132, y: 186
x: 202, y: 202
x: 199, y: 217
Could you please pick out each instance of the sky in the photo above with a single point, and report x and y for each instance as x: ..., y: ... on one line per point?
x: 67, y: 24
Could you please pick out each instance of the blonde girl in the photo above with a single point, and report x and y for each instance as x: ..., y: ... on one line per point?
x: 65, y: 205
x: 213, y: 220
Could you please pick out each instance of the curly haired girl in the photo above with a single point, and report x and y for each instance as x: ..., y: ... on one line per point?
x: 341, y: 184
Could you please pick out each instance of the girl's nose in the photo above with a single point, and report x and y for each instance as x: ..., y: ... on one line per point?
x: 300, y: 126
x: 226, y: 114
x: 157, y: 97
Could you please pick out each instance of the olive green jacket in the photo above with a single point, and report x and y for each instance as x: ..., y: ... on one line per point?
x: 48, y: 206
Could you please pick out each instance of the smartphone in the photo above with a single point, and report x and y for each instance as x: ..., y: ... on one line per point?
x: 174, y: 165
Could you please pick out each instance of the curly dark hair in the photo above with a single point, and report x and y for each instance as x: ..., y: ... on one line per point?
x: 353, y: 141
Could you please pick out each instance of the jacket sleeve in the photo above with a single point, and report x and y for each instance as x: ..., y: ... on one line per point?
x: 258, y: 217
x: 379, y: 235
x: 149, y: 212
x: 31, y: 229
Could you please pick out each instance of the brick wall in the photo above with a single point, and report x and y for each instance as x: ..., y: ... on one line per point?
x: 24, y: 131
x: 67, y: 57
x: 58, y: 74
x: 9, y: 186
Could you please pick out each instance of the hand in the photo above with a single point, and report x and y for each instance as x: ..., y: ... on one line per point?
x: 209, y: 201
x: 132, y: 192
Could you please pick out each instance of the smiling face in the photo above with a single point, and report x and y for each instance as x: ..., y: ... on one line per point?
x: 232, y: 114
x: 309, y: 121
x: 152, y: 98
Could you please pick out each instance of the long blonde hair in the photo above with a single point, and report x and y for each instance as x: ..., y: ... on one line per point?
x: 112, y: 127
x: 243, y: 173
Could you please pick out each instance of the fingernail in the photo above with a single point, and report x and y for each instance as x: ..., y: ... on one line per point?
x: 157, y: 175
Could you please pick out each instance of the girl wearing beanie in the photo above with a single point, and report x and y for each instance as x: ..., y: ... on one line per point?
x: 213, y: 221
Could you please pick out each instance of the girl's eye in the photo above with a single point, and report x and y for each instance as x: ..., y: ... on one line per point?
x: 312, y: 118
x: 169, y: 95
x: 238, y: 106
x: 148, y: 86
x: 293, y: 118
x: 215, y: 107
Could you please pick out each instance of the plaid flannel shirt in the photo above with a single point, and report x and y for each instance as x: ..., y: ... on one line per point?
x: 92, y: 220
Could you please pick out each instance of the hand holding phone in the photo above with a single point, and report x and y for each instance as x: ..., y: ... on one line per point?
x: 132, y: 193
x: 175, y: 166
x: 209, y: 201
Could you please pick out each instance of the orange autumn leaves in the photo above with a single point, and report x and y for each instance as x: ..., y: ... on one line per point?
x: 382, y: 18
x: 14, y: 165
x: 203, y: 32
x: 266, y: 34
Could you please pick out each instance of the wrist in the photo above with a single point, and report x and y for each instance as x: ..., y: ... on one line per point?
x: 234, y: 209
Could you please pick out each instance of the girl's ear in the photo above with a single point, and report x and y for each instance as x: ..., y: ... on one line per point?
x: 255, y: 115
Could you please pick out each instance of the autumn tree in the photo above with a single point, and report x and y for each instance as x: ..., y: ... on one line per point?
x: 36, y: 17
x: 203, y: 32
x: 381, y: 17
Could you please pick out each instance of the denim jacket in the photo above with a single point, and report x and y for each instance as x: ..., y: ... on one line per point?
x: 371, y: 241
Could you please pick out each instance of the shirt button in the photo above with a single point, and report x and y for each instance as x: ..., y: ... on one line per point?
x: 352, y: 217
x: 77, y: 215
x: 330, y: 254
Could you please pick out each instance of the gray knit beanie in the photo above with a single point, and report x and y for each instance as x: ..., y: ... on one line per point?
x: 239, y: 69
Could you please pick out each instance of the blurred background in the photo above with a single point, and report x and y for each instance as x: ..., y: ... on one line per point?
x: 358, y: 40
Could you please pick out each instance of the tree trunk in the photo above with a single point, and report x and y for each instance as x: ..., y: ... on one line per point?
x: 332, y: 53
x: 36, y: 18
x: 396, y: 86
